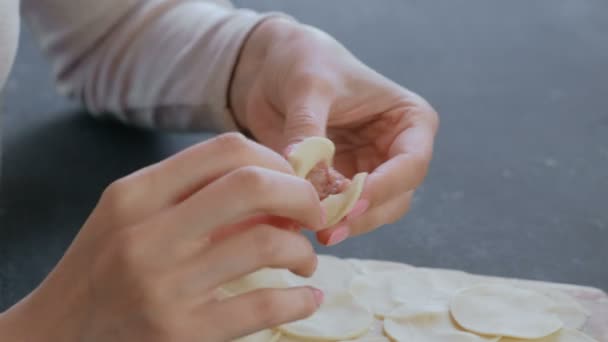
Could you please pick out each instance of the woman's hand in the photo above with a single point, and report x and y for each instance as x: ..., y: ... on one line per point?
x: 294, y: 81
x: 147, y: 262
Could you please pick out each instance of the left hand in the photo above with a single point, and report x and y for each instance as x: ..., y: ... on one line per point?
x: 294, y: 81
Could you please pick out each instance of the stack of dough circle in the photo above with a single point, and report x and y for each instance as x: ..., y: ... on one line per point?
x: 306, y: 155
x: 375, y: 301
x: 427, y: 322
x: 339, y: 318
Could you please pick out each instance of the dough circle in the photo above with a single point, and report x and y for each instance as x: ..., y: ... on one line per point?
x: 383, y: 292
x: 309, y: 153
x: 418, y: 305
x: 563, y: 335
x: 429, y: 322
x: 503, y: 310
x: 340, y: 317
x: 306, y: 155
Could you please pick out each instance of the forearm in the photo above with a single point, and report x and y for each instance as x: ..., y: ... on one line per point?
x: 58, y: 310
x: 153, y: 63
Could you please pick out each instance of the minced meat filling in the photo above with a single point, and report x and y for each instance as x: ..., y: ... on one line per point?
x: 326, y: 180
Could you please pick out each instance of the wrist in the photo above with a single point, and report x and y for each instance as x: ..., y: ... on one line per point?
x: 250, y: 64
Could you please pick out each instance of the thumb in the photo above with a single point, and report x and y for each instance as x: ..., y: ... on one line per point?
x: 306, y: 116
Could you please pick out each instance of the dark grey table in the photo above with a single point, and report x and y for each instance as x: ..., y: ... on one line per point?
x: 519, y: 183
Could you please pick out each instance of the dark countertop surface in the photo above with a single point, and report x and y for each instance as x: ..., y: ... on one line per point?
x: 518, y: 186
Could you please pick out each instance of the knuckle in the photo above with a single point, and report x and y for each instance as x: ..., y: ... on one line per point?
x: 434, y: 118
x: 304, y: 119
x: 269, y: 244
x: 119, y: 197
x: 422, y: 162
x: 428, y: 111
x: 308, y: 257
x: 254, y: 180
x: 306, y: 305
x: 301, y: 244
x: 249, y: 152
x: 235, y: 142
x: 270, y: 308
x: 310, y: 191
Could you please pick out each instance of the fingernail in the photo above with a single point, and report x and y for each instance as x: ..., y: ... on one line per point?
x: 323, y: 216
x: 339, y: 235
x: 359, y: 209
x: 318, y: 294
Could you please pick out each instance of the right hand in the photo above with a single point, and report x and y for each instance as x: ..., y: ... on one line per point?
x: 146, y: 264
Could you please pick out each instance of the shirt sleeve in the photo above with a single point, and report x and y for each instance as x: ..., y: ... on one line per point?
x: 152, y: 63
x: 9, y: 35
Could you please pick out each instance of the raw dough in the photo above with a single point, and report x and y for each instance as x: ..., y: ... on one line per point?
x: 417, y: 304
x: 503, y: 310
x: 430, y: 322
x: 333, y: 275
x: 573, y: 314
x: 568, y: 310
x: 309, y: 153
x: 374, y: 334
x: 338, y: 318
x: 374, y: 266
x: 339, y: 205
x: 306, y: 155
x: 382, y: 292
x: 563, y: 335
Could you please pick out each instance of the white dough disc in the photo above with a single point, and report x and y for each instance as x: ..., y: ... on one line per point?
x: 572, y: 314
x: 307, y: 154
x: 338, y: 318
x: 339, y: 205
x: 374, y: 334
x: 429, y: 322
x: 380, y: 338
x: 449, y: 282
x: 503, y: 310
x: 382, y: 292
x: 364, y: 267
x: 563, y: 335
x: 333, y: 275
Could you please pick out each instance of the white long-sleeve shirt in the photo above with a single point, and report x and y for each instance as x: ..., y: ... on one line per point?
x: 152, y: 63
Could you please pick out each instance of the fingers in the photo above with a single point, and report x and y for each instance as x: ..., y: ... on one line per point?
x: 224, y: 232
x: 408, y: 160
x: 260, y: 309
x: 366, y: 221
x: 166, y: 183
x: 258, y: 247
x: 307, y: 109
x: 241, y: 194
